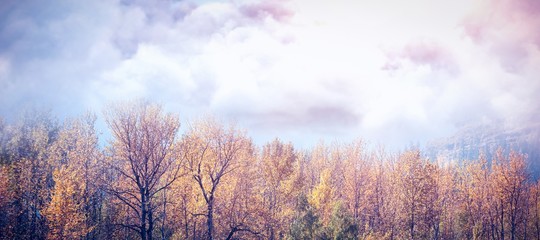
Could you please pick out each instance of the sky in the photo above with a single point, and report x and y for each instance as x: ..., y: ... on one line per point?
x: 391, y: 72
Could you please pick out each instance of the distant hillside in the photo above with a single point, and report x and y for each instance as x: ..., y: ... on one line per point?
x: 470, y: 141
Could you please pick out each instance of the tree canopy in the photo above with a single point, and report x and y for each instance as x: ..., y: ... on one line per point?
x: 210, y: 181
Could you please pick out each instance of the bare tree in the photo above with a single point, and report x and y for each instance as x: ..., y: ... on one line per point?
x: 143, y: 157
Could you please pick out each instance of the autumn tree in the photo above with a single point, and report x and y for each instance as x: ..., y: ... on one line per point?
x: 6, y: 196
x: 358, y: 185
x: 185, y: 208
x: 417, y: 188
x: 212, y: 152
x: 534, y: 203
x: 317, y: 159
x: 27, y: 155
x: 144, y: 158
x: 71, y: 213
x: 474, y: 188
x: 382, y: 197
x: 322, y: 197
x: 446, y: 201
x: 277, y: 168
x: 241, y: 207
x: 59, y: 181
x: 510, y: 185
x: 65, y: 212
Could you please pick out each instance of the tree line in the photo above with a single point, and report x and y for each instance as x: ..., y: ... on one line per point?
x: 212, y: 182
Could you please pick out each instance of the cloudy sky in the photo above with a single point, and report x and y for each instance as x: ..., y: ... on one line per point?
x: 391, y: 71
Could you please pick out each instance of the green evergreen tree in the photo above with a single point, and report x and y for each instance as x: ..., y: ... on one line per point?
x: 342, y: 225
x: 305, y: 224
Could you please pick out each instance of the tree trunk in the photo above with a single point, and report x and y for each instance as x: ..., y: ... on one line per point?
x: 210, y: 217
x: 150, y: 223
x: 143, y: 215
x: 412, y: 223
x: 186, y: 224
x: 502, y: 220
x: 436, y: 231
x: 272, y: 234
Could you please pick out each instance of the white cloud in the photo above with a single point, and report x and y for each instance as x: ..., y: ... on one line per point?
x: 387, y: 70
x: 148, y: 73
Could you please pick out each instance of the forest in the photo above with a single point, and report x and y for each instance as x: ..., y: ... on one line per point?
x: 156, y: 178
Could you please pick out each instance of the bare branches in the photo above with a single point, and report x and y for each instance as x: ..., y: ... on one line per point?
x: 146, y: 161
x: 212, y: 152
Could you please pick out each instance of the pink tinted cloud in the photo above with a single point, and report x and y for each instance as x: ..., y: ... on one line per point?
x: 429, y: 54
x: 422, y: 53
x: 264, y: 9
x: 317, y: 117
x: 507, y: 28
x: 529, y: 12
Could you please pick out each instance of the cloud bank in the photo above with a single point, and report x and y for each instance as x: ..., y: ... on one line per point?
x: 389, y: 71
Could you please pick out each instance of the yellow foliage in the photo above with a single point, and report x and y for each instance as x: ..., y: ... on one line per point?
x: 322, y: 195
x: 65, y: 212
